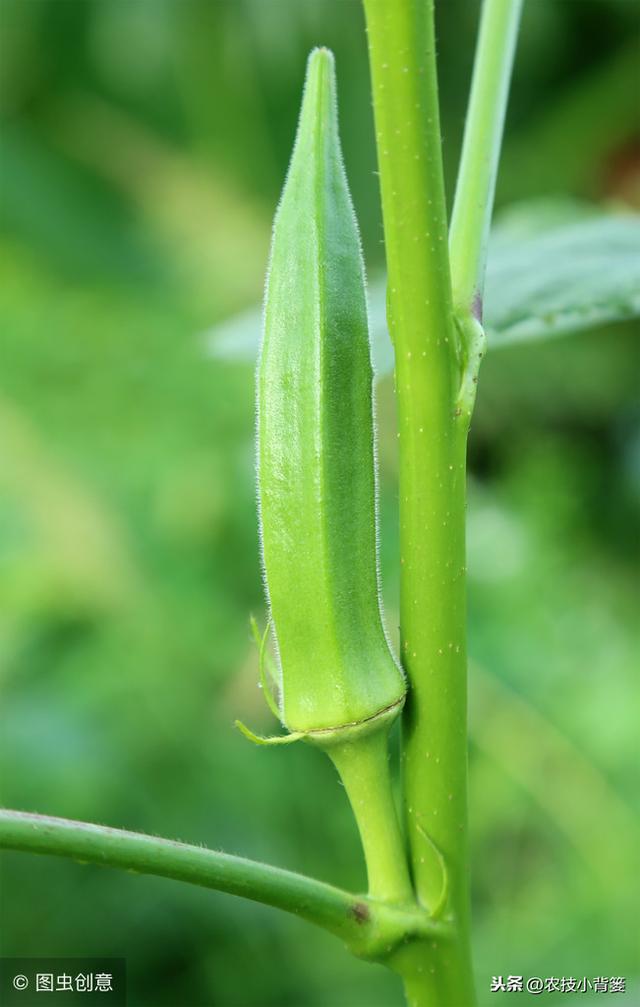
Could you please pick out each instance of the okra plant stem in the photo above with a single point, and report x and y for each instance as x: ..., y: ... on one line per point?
x: 475, y: 188
x: 432, y: 486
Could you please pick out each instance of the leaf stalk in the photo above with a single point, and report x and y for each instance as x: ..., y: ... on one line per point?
x: 370, y: 929
x: 477, y: 173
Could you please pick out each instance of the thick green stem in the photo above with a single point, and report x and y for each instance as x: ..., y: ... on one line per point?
x: 363, y: 765
x: 432, y: 486
x: 484, y: 127
x: 405, y: 101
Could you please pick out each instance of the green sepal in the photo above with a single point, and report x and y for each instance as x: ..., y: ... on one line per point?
x: 261, y: 643
x: 259, y: 739
x: 328, y: 737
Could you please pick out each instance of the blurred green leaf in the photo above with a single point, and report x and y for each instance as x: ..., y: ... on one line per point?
x: 573, y: 276
x: 555, y: 267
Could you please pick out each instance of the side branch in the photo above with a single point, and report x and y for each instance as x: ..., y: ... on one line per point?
x: 473, y: 203
x: 329, y: 907
x: 368, y: 928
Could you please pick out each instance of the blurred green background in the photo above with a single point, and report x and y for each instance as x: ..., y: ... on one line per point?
x: 144, y: 143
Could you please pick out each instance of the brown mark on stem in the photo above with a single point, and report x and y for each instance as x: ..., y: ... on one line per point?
x: 360, y: 912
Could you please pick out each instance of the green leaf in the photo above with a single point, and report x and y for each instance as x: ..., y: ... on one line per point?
x: 575, y: 274
x: 555, y: 267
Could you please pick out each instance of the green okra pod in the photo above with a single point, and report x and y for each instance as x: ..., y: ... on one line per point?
x: 316, y: 455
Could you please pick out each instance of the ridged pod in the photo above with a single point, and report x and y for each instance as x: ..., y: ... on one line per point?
x: 316, y: 442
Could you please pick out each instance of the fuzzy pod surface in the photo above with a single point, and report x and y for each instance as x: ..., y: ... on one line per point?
x: 316, y: 461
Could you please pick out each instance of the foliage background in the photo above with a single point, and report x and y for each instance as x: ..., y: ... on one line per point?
x: 143, y: 147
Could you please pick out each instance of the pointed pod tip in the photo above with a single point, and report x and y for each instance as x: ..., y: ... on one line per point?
x: 322, y: 55
x: 318, y: 112
x: 321, y: 65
